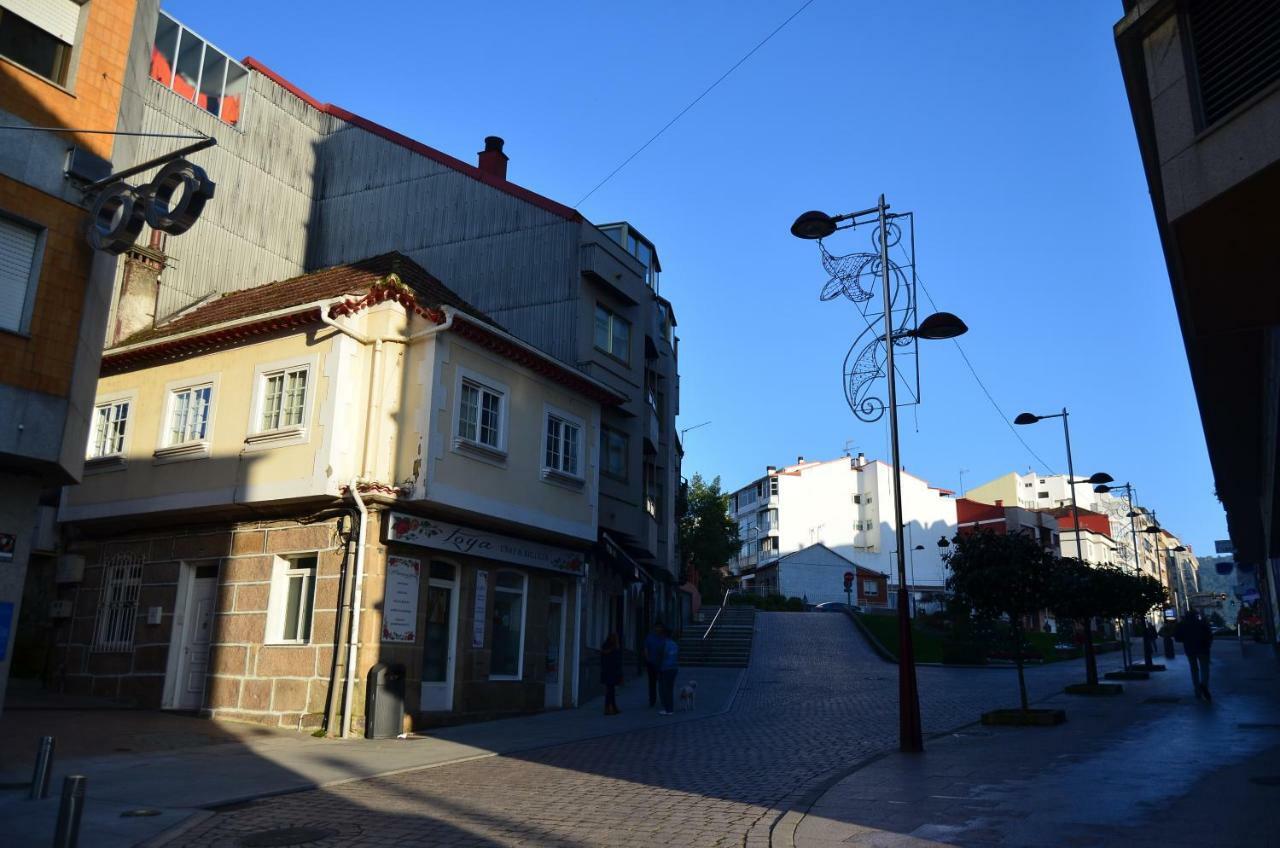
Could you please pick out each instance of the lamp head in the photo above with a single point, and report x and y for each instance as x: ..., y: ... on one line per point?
x: 813, y: 225
x: 1102, y: 490
x: 1026, y: 418
x: 919, y: 547
x: 944, y: 542
x: 941, y: 325
x: 1101, y: 478
x: 1180, y: 549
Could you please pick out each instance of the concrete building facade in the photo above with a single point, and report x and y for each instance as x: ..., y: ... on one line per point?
x: 351, y: 467
x: 845, y: 504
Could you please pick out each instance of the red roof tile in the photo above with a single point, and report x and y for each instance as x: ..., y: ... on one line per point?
x: 352, y: 278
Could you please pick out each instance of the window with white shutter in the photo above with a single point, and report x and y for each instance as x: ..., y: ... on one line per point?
x: 39, y: 34
x: 20, y: 249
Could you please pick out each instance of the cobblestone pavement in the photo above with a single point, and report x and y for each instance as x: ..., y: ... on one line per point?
x: 814, y: 700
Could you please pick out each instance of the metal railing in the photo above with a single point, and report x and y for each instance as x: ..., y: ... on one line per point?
x: 716, y: 617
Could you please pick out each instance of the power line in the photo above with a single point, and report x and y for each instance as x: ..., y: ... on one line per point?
x: 983, y: 386
x: 695, y: 101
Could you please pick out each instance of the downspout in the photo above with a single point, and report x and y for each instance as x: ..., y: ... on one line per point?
x: 353, y: 638
x: 344, y: 602
x: 577, y: 630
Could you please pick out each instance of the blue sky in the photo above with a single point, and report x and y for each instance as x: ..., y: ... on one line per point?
x: 1002, y: 125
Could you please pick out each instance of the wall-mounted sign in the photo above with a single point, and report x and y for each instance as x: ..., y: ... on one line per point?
x: 1224, y: 546
x: 443, y: 536
x: 6, y: 627
x: 8, y: 542
x: 481, y: 610
x: 120, y: 210
x: 400, y: 605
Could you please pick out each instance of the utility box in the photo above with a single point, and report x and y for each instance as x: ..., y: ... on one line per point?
x: 384, y: 701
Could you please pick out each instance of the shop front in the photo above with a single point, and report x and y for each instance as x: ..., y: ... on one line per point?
x: 484, y: 622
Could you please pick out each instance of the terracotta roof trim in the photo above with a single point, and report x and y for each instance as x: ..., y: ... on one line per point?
x: 520, y: 192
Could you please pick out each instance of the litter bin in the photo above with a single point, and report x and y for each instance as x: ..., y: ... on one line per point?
x: 384, y: 701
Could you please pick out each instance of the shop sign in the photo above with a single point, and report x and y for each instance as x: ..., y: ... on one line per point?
x: 8, y: 541
x: 400, y: 606
x: 481, y: 612
x: 6, y: 625
x: 443, y: 536
x: 170, y: 203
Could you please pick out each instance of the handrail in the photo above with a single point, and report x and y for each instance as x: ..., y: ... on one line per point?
x: 716, y: 617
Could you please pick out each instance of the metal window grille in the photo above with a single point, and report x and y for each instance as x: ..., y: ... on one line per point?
x: 118, y: 604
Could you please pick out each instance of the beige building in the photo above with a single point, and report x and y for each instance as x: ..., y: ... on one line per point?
x: 353, y: 450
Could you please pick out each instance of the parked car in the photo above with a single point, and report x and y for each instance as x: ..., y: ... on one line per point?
x: 836, y: 606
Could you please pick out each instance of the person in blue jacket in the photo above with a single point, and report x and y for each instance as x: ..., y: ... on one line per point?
x: 653, y: 645
x: 667, y: 669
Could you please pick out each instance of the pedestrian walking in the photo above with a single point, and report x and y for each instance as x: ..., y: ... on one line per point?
x: 1148, y: 641
x: 1197, y: 638
x: 653, y: 648
x: 667, y: 669
x: 611, y: 673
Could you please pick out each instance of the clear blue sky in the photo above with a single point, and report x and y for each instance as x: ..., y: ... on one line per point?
x: 1003, y: 125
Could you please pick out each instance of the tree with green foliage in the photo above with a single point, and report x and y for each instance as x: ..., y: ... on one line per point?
x: 708, y: 536
x: 1002, y: 575
x: 1082, y: 592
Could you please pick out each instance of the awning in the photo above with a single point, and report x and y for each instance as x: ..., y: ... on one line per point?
x: 620, y: 555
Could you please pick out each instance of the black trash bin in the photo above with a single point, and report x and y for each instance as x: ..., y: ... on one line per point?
x: 384, y: 701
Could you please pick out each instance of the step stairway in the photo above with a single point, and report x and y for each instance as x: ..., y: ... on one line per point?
x: 729, y: 645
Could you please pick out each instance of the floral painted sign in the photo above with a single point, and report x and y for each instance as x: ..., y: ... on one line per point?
x: 400, y: 607
x: 443, y: 536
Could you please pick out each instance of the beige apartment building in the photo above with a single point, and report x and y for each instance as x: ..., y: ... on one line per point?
x: 355, y: 450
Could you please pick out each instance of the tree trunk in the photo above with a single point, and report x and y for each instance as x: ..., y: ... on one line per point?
x: 1090, y: 658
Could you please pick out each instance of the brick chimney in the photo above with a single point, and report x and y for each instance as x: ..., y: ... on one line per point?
x: 139, y: 288
x: 492, y: 160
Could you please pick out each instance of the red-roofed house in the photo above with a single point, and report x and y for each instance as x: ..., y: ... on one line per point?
x: 354, y: 450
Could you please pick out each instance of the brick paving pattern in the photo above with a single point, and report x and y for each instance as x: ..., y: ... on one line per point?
x: 814, y: 700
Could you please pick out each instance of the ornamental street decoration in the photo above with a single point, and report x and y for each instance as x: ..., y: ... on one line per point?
x: 170, y: 203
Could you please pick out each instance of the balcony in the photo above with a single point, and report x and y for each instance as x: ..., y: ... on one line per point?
x: 652, y: 430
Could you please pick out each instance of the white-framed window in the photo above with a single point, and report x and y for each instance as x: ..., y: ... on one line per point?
x: 614, y: 452
x: 870, y: 588
x: 507, y: 656
x: 281, y: 402
x: 562, y: 444
x: 21, y: 253
x: 480, y: 414
x: 293, y: 586
x: 118, y: 603
x: 40, y: 36
x: 613, y: 333
x: 189, y: 414
x: 110, y: 428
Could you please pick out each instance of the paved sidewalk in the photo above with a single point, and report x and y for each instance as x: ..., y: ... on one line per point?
x: 1153, y: 767
x: 178, y: 784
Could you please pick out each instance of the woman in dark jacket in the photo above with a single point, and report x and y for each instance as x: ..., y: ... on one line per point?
x: 611, y: 673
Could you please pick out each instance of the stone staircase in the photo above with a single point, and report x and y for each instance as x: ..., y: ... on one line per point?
x: 729, y: 645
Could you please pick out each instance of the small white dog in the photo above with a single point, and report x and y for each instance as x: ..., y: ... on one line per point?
x: 688, y: 695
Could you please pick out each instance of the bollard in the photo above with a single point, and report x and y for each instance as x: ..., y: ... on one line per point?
x: 68, y: 832
x: 43, y: 770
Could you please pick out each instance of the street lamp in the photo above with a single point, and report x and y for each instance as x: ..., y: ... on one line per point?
x: 1100, y: 478
x: 694, y: 427
x: 816, y: 225
x: 1156, y: 530
x: 1130, y: 493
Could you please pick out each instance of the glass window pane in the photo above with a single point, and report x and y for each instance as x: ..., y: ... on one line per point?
x: 190, y: 57
x: 621, y: 338
x: 602, y: 328
x: 292, y: 607
x: 510, y: 580
x: 553, y: 442
x: 234, y: 96
x: 435, y: 649
x: 33, y: 48
x: 200, y: 413
x: 571, y: 449
x: 489, y: 418
x: 178, y: 432
x: 505, y: 657
x: 215, y: 66
x: 272, y: 392
x: 164, y: 50
x: 441, y: 571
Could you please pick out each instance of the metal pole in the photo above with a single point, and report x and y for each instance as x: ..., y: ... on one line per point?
x: 69, y: 811
x: 43, y: 770
x: 1071, y: 476
x: 910, y: 737
x: 1147, y: 647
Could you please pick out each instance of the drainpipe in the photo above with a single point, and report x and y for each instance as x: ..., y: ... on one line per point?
x: 353, y: 638
x: 577, y: 630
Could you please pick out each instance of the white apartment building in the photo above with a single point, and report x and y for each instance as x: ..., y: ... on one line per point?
x: 845, y: 504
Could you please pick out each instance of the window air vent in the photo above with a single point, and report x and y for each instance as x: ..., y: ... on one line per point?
x: 1236, y: 45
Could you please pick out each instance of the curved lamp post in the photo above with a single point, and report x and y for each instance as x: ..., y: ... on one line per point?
x: 1156, y: 530
x: 816, y: 225
x: 1100, y: 478
x: 1130, y: 493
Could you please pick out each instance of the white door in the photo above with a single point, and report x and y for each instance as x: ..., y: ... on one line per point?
x: 555, y: 647
x: 440, y: 638
x: 193, y: 662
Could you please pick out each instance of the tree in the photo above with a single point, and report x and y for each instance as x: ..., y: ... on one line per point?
x: 708, y: 536
x: 1002, y: 575
x: 1081, y: 592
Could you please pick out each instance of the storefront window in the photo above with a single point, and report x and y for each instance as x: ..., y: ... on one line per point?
x: 435, y: 649
x: 508, y: 626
